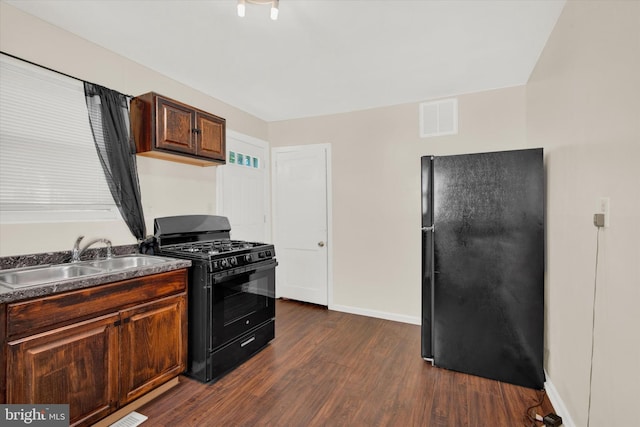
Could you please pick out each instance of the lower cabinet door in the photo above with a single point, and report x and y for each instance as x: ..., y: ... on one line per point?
x: 75, y: 365
x: 154, y: 345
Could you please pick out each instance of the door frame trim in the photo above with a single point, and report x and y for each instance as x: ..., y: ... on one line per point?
x: 267, y: 183
x: 329, y: 216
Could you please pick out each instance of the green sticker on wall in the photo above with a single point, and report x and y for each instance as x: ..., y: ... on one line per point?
x: 232, y: 156
x: 255, y: 162
x: 240, y: 159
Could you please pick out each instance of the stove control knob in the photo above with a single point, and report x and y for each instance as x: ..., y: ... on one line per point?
x: 224, y: 263
x: 269, y: 253
x: 261, y: 255
x: 233, y: 261
x: 248, y: 258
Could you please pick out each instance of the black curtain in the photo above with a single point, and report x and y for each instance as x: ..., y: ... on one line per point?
x: 109, y: 117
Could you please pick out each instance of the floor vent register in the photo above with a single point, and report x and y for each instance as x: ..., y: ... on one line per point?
x: 131, y: 420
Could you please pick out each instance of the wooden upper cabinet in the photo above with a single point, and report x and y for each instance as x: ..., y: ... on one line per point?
x: 167, y: 129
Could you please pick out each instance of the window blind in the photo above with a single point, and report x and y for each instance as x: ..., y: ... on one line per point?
x: 49, y: 168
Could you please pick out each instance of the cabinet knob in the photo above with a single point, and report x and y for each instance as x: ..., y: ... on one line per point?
x: 196, y: 131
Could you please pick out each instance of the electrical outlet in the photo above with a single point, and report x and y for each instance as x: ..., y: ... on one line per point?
x: 603, y: 208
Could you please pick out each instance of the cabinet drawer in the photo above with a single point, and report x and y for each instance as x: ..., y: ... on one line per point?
x: 36, y: 315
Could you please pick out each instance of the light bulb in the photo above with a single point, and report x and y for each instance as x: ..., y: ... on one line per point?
x: 274, y: 10
x: 241, y: 8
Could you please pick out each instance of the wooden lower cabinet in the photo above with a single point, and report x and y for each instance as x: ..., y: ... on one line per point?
x: 76, y: 364
x: 98, y: 365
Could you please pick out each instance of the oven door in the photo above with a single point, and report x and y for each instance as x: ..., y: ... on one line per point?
x: 242, y: 300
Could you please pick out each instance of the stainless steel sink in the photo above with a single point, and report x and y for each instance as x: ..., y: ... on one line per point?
x: 43, y: 274
x: 125, y: 262
x: 22, y: 278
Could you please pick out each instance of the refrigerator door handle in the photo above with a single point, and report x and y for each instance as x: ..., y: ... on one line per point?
x: 428, y: 290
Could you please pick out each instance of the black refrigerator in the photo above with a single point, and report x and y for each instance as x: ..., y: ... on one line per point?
x: 483, y: 264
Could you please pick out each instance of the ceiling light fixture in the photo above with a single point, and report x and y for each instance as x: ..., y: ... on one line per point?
x: 274, y: 7
x: 241, y: 8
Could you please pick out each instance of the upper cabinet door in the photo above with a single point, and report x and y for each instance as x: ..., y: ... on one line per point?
x: 210, y: 136
x: 175, y: 127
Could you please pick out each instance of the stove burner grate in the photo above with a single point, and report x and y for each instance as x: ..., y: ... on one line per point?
x: 214, y: 247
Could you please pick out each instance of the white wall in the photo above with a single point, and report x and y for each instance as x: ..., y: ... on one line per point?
x: 376, y: 189
x: 167, y: 188
x: 583, y: 106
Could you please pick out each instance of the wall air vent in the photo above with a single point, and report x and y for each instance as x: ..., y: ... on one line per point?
x: 439, y: 118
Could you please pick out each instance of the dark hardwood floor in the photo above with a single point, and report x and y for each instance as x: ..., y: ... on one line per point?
x: 327, y: 368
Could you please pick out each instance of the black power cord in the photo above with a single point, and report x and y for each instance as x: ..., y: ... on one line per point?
x: 549, y: 420
x: 553, y: 420
x: 593, y: 324
x: 532, y: 419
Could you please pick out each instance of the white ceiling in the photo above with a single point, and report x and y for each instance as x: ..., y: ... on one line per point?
x: 320, y: 56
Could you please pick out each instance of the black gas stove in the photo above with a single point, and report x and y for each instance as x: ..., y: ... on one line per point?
x: 231, y: 291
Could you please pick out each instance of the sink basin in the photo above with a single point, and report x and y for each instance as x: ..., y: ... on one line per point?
x: 125, y: 262
x: 44, y: 274
x: 22, y: 278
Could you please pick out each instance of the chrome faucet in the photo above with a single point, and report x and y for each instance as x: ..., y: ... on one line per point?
x: 76, y: 252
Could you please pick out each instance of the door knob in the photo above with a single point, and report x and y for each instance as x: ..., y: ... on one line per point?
x: 321, y: 244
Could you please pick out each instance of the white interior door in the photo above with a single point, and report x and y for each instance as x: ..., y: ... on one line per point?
x: 243, y: 188
x: 301, y: 202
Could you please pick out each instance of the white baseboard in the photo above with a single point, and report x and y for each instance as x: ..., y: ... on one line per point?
x: 557, y: 403
x: 377, y: 314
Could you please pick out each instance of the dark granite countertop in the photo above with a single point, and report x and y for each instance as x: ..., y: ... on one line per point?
x: 12, y: 295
